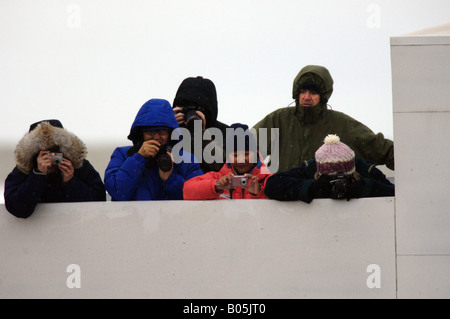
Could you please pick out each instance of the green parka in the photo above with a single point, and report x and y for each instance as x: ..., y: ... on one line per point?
x: 302, y: 129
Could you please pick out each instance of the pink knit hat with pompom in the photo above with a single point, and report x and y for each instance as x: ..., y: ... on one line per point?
x: 335, y: 157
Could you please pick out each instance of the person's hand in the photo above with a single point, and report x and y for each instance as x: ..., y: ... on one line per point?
x: 44, y: 162
x: 67, y: 170
x: 179, y: 116
x: 203, y: 117
x: 321, y: 187
x: 149, y: 148
x: 355, y: 189
x: 224, y: 182
x: 253, y: 186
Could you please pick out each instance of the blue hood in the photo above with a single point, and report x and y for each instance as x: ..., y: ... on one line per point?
x: 155, y: 112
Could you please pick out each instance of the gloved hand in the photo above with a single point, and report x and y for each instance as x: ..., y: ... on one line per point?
x: 320, y: 188
x: 355, y: 189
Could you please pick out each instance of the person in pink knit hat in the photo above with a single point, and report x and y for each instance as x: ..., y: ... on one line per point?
x: 334, y: 173
x: 244, y: 176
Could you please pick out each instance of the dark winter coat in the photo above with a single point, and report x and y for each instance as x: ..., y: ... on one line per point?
x: 24, y: 189
x: 130, y: 176
x: 201, y: 92
x: 295, y: 184
x: 303, y: 129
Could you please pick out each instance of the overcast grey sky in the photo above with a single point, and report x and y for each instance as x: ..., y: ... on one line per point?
x: 92, y: 64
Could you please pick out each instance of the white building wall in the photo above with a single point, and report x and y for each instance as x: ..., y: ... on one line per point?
x: 421, y: 100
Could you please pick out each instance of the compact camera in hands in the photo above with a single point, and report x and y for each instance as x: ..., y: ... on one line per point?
x: 56, y: 158
x: 239, y: 181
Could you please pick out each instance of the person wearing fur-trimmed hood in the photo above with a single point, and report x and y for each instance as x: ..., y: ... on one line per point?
x: 38, y: 179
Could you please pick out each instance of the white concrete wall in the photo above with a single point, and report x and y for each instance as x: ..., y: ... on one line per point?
x: 201, y: 249
x: 421, y: 100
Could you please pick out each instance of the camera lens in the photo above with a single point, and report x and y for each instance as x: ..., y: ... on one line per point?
x: 191, y: 116
x: 163, y: 159
x: 164, y: 162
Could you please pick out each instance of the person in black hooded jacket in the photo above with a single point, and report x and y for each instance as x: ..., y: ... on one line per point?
x: 37, y: 178
x: 195, y: 100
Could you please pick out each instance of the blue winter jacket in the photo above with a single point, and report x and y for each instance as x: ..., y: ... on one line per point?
x: 131, y: 178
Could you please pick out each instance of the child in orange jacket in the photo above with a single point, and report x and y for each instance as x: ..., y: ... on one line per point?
x: 244, y: 175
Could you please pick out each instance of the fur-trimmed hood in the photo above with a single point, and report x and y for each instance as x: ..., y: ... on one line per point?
x: 46, y: 137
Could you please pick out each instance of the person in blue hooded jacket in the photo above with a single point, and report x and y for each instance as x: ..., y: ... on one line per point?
x: 147, y: 170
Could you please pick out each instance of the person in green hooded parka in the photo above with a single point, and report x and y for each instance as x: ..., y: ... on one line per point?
x: 303, y: 126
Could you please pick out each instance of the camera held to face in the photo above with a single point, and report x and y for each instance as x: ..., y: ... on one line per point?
x: 56, y: 158
x: 191, y: 115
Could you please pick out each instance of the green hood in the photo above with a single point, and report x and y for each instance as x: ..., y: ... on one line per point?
x: 320, y: 77
x: 314, y: 74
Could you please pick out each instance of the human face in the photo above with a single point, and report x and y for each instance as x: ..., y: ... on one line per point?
x: 242, y: 161
x: 162, y: 136
x: 308, y: 98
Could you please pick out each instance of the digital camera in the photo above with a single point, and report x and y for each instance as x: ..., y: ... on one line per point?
x: 239, y: 181
x: 340, y: 186
x: 163, y: 159
x: 190, y: 115
x: 56, y: 158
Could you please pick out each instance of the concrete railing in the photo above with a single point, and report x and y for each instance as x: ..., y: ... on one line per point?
x: 201, y: 249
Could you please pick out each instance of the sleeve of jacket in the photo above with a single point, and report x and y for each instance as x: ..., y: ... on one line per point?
x: 123, y: 173
x: 291, y: 185
x: 376, y: 183
x: 86, y: 185
x: 376, y: 188
x: 22, y: 192
x: 262, y: 180
x: 370, y: 146
x: 173, y: 187
x: 201, y: 187
x: 381, y: 186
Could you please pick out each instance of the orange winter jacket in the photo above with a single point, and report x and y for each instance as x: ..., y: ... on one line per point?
x: 203, y: 187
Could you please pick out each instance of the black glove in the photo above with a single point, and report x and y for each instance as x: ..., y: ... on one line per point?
x: 320, y: 188
x: 355, y: 189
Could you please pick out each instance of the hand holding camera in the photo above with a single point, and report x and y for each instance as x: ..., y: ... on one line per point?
x: 321, y: 188
x: 231, y: 181
x: 50, y: 162
x: 47, y: 162
x: 186, y: 115
x: 44, y: 162
x: 149, y: 148
x: 346, y: 187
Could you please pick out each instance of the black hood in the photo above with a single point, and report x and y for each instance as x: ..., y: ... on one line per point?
x: 198, y: 91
